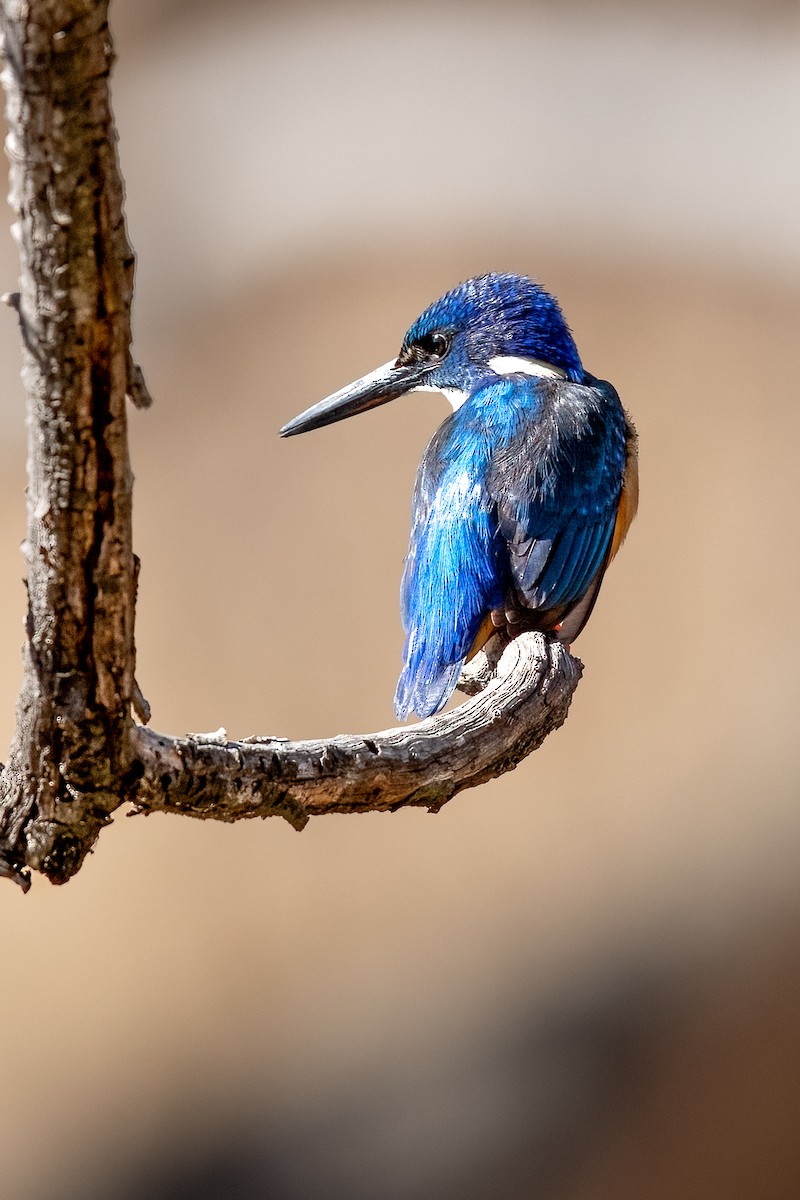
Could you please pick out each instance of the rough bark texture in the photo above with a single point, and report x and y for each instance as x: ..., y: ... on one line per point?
x: 70, y: 755
x: 77, y: 754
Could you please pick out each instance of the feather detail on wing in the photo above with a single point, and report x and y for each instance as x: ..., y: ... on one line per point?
x: 557, y: 489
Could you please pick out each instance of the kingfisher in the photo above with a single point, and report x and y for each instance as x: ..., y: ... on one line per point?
x: 524, y: 493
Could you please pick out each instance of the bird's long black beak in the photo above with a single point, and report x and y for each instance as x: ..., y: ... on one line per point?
x: 379, y: 387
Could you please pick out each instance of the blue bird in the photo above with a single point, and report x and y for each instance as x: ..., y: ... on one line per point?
x: 524, y: 493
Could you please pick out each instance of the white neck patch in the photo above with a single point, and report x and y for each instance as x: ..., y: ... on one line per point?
x: 456, y: 396
x: 503, y: 364
x: 507, y: 364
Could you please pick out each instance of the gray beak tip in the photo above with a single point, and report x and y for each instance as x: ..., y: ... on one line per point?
x: 388, y: 382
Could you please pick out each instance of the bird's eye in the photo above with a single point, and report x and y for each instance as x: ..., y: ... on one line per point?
x: 433, y: 345
x: 426, y: 349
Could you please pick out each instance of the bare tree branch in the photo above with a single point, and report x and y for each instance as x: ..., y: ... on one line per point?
x: 77, y: 753
x: 422, y: 765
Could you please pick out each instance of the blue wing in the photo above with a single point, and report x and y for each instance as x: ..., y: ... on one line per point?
x: 556, y: 487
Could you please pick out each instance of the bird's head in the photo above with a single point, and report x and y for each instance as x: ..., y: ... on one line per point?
x: 491, y: 325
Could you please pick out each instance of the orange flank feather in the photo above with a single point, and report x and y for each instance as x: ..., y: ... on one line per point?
x: 486, y: 630
x: 629, y: 498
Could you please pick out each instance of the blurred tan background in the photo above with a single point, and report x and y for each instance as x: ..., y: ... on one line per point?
x: 579, y: 982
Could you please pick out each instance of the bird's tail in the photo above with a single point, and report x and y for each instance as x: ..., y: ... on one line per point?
x: 453, y: 578
x: 422, y: 690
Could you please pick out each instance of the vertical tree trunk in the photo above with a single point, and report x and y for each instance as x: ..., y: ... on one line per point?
x: 74, y: 311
